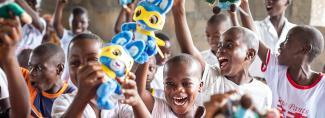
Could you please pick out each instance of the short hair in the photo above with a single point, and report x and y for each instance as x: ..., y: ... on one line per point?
x: 248, y: 37
x: 77, y: 11
x: 85, y: 36
x: 183, y: 58
x: 162, y: 36
x: 50, y: 50
x: 310, y: 35
x: 218, y: 18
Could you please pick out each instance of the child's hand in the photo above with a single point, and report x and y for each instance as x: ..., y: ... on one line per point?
x: 130, y: 91
x: 89, y: 78
x: 10, y: 34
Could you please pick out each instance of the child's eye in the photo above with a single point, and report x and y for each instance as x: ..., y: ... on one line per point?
x: 169, y: 84
x: 153, y: 19
x: 229, y: 45
x: 74, y: 64
x: 187, y: 84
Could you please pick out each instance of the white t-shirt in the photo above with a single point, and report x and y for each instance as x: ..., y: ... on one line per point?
x: 214, y: 82
x: 62, y: 103
x: 3, y: 85
x: 162, y: 110
x: 269, y: 36
x: 158, y: 82
x: 210, y: 58
x: 291, y: 99
x: 32, y: 37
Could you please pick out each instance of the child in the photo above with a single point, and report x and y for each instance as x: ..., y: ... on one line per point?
x: 158, y: 82
x: 236, y: 51
x: 45, y: 66
x: 15, y: 86
x: 86, y: 73
x: 272, y: 30
x: 297, y: 90
x: 32, y: 33
x: 182, y: 81
x: 78, y: 22
x: 216, y: 25
x: 152, y: 69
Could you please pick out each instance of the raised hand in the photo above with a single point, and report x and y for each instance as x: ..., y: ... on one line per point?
x: 10, y: 35
x: 130, y: 91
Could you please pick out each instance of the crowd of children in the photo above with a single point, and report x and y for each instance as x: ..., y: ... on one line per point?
x: 259, y: 69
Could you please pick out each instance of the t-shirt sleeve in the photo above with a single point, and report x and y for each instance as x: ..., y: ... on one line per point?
x: 60, y: 105
x: 15, y: 8
x: 271, y: 66
x: 4, y: 93
x: 125, y: 111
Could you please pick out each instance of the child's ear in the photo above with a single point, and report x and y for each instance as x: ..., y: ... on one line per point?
x: 307, y: 48
x: 251, y: 53
x: 59, y: 69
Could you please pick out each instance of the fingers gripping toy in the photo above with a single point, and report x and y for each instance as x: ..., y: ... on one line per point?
x: 149, y: 16
x: 224, y: 5
x: 124, y: 4
x: 117, y: 60
x: 9, y: 8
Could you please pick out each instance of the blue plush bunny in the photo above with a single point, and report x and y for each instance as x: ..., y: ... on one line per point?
x: 149, y: 16
x: 117, y: 60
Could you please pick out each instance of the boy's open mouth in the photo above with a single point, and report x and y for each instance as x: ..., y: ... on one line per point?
x: 223, y: 62
x: 179, y: 101
x: 268, y: 7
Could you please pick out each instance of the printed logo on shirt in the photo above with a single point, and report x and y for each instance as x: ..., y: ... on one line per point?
x: 290, y: 110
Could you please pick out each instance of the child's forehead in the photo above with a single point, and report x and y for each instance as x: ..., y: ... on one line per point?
x: 84, y: 46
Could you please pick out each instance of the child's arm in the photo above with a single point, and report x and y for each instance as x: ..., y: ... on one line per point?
x: 10, y: 34
x: 182, y: 31
x: 36, y: 20
x: 233, y: 18
x: 124, y: 16
x: 248, y: 22
x: 89, y: 76
x: 141, y: 80
x: 133, y: 99
x: 57, y: 19
x: 119, y: 21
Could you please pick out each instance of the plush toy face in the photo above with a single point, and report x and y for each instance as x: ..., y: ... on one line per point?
x: 150, y: 16
x: 115, y: 60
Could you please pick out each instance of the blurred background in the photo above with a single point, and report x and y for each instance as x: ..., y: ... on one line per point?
x: 103, y: 14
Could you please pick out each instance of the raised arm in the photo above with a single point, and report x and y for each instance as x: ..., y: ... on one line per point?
x: 57, y: 22
x: 18, y: 91
x: 126, y: 15
x: 141, y: 81
x: 119, y: 21
x: 133, y: 99
x: 36, y: 19
x: 182, y: 31
x: 233, y: 18
x: 248, y: 22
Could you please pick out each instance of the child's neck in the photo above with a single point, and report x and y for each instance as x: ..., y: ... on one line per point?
x: 303, y: 74
x: 278, y: 23
x: 56, y: 88
x: 189, y: 114
x: 241, y: 78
